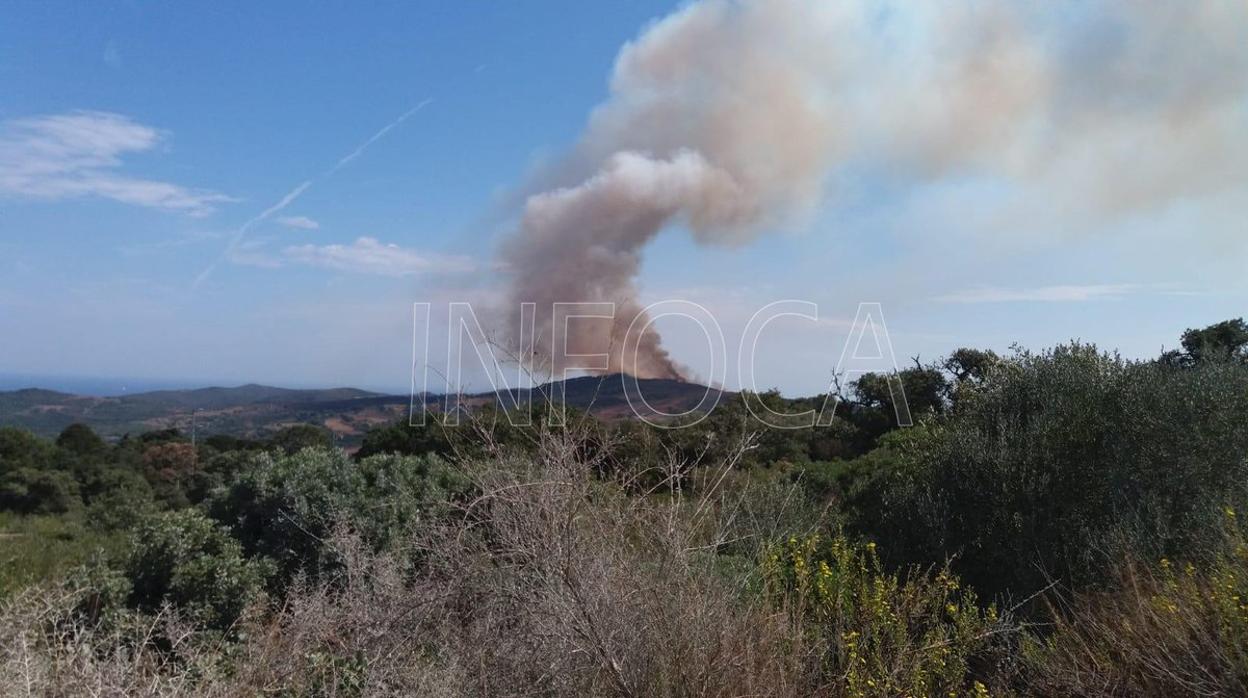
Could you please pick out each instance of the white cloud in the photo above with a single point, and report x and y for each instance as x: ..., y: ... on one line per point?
x: 1041, y: 294
x: 300, y: 222
x: 370, y: 256
x: 78, y: 154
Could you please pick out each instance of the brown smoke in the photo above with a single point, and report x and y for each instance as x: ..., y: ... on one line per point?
x: 728, y: 116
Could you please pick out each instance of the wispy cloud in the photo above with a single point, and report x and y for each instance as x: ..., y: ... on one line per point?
x: 370, y: 256
x: 183, y: 239
x: 298, y: 191
x: 252, y: 253
x: 236, y: 240
x: 1041, y: 294
x: 300, y: 222
x: 79, y: 154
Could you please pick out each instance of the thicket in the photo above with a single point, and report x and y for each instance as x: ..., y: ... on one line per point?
x: 1058, y: 523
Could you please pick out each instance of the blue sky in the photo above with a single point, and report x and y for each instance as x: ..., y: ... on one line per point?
x: 126, y: 259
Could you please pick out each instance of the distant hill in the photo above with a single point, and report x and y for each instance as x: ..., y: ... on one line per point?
x: 258, y: 410
x: 605, y: 396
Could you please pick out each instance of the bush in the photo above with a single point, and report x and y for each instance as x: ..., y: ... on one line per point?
x: 405, y: 439
x: 185, y: 559
x: 284, y: 507
x: 1167, y: 629
x: 120, y: 499
x: 1061, y: 459
x: 294, y: 439
x: 31, y: 491
x: 872, y: 633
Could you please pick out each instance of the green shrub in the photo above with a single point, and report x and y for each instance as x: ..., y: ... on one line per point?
x: 295, y: 438
x: 120, y: 500
x: 874, y: 633
x: 1167, y: 629
x: 35, y: 549
x: 185, y: 559
x: 284, y: 507
x: 31, y: 491
x: 1059, y: 460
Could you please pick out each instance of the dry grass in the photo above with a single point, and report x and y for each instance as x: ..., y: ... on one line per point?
x: 555, y: 581
x: 552, y: 581
x: 1163, y: 631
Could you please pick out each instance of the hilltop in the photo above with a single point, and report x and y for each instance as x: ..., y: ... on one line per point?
x: 256, y: 410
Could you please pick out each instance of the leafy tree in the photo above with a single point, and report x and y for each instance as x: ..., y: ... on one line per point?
x: 295, y: 438
x: 1222, y: 341
x: 225, y: 442
x: 170, y: 466
x: 970, y: 365
x: 32, y: 491
x: 21, y: 449
x: 878, y: 404
x: 80, y: 440
x: 968, y: 368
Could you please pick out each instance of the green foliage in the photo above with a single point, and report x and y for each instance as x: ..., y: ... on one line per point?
x: 36, y: 549
x: 21, y: 449
x: 1060, y: 455
x: 857, y: 487
x: 31, y: 491
x: 1219, y: 342
x: 80, y: 440
x: 222, y: 443
x: 1167, y: 628
x: 284, y: 507
x: 875, y: 633
x: 102, y: 590
x: 171, y: 466
x: 294, y: 439
x: 119, y: 499
x: 924, y: 390
x: 185, y: 559
x: 406, y: 439
x: 1020, y: 470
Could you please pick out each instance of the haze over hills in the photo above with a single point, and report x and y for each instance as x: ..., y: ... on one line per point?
x: 258, y: 410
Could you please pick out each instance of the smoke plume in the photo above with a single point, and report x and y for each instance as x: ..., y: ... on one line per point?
x: 728, y: 117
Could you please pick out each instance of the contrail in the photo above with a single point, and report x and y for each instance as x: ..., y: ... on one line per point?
x: 364, y: 146
x: 241, y: 233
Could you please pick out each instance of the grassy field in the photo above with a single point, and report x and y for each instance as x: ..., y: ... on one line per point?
x: 38, y: 548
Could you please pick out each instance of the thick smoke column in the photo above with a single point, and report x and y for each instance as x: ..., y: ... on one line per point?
x: 584, y: 243
x: 727, y: 117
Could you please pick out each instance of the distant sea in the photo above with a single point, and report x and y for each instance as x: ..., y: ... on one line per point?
x: 112, y: 387
x: 86, y: 385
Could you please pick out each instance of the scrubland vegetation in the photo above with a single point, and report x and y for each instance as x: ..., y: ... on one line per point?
x: 1062, y: 523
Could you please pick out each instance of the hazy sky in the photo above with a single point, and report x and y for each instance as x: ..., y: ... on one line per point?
x: 237, y: 192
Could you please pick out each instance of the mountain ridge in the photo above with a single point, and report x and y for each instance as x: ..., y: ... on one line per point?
x: 254, y: 410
